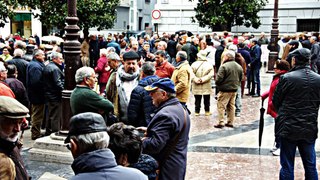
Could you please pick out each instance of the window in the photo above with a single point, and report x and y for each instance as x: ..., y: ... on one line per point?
x: 147, y: 1
x: 307, y: 25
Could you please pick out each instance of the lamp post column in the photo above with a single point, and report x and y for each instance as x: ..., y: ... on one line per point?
x: 72, y: 61
x: 273, y: 46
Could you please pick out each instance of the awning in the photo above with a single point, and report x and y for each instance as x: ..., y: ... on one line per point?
x: 22, y: 17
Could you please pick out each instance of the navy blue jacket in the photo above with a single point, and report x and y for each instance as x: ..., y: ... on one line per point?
x: 101, y: 165
x: 256, y: 57
x: 162, y: 132
x: 140, y: 106
x: 54, y: 81
x: 35, y: 83
x: 21, y: 65
x: 246, y: 55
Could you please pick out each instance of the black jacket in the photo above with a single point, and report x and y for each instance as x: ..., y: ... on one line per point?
x: 21, y: 65
x: 140, y: 107
x: 54, y: 81
x: 296, y: 100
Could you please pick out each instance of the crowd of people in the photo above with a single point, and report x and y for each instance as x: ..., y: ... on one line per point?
x: 131, y: 97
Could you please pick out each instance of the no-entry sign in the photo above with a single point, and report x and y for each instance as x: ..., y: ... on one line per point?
x: 156, y: 14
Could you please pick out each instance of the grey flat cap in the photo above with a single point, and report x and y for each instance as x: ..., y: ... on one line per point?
x: 11, y: 108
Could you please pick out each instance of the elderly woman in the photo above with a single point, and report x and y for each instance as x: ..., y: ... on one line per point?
x: 83, y: 98
x: 201, y: 83
x: 103, y: 68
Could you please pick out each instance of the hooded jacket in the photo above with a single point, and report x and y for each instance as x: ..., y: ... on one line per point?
x: 101, y: 165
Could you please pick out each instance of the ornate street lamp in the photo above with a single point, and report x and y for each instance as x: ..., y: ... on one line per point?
x: 273, y: 46
x: 72, y: 61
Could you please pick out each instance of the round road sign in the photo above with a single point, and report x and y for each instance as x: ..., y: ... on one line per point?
x: 156, y: 14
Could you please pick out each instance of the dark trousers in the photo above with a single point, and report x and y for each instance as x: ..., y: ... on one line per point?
x: 55, y: 116
x: 287, y: 157
x: 206, y: 102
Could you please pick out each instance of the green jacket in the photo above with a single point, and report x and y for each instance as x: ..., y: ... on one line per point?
x: 229, y: 76
x: 83, y: 99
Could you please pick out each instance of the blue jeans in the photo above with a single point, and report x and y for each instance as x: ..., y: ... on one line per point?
x: 287, y: 156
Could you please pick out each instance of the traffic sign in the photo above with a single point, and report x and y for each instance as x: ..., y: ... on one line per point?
x: 156, y: 14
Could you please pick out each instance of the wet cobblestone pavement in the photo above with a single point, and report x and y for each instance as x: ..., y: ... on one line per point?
x: 229, y: 153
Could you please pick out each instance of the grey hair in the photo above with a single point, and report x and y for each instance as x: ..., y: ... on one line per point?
x: 82, y: 73
x: 163, y: 43
x: 113, y: 56
x: 56, y: 55
x: 92, y: 141
x: 314, y: 38
x: 18, y: 52
x: 182, y: 55
x: 231, y: 54
x: 171, y: 95
x: 148, y: 68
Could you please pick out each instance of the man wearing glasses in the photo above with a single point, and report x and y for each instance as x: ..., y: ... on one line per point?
x: 84, y: 99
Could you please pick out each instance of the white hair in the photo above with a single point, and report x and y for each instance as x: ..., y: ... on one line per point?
x: 233, y: 47
x: 103, y: 52
x: 92, y: 141
x: 231, y: 54
x: 82, y: 73
x: 18, y: 52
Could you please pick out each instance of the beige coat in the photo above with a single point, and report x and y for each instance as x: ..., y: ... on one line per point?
x: 201, y: 83
x: 181, y: 78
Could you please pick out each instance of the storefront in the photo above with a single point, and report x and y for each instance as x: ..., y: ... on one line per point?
x: 21, y: 24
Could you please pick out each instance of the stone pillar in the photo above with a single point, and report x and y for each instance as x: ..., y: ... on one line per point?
x: 72, y: 61
x: 273, y: 46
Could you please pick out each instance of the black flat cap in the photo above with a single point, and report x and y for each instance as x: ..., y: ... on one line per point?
x: 85, y: 123
x: 131, y: 55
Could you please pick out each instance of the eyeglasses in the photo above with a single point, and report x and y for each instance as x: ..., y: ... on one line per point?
x: 68, y: 146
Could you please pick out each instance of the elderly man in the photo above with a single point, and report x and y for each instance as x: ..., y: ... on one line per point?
x: 181, y: 77
x: 168, y: 132
x: 140, y: 106
x: 83, y: 98
x: 296, y: 100
x: 12, y: 114
x: 163, y: 68
x: 21, y: 65
x: 88, y: 142
x: 228, y: 81
x: 53, y: 87
x: 4, y: 88
x: 127, y: 78
x: 35, y: 89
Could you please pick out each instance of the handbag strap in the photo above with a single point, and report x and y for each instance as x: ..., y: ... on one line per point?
x: 173, y: 144
x: 198, y: 68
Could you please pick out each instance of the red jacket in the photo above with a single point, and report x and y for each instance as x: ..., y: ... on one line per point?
x: 101, y: 69
x: 269, y: 93
x: 165, y: 70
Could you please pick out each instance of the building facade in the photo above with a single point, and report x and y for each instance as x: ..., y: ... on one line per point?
x: 24, y: 23
x: 294, y: 16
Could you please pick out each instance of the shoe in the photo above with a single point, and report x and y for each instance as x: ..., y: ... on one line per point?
x: 276, y: 152
x: 208, y: 113
x: 274, y: 148
x: 34, y: 138
x: 256, y: 95
x: 237, y: 114
x: 218, y: 126
x: 197, y: 114
x: 229, y: 125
